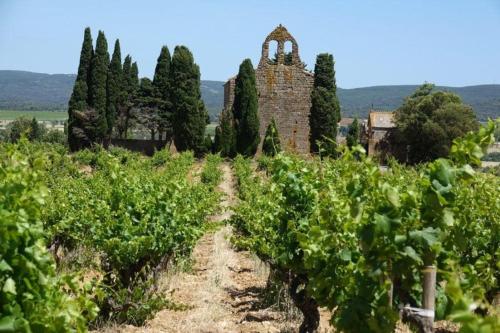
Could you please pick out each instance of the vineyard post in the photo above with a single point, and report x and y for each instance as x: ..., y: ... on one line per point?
x: 429, y: 294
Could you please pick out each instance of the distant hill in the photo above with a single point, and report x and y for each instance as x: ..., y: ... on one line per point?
x: 20, y: 90
x: 485, y: 99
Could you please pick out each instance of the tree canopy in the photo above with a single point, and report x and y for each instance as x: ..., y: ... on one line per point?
x: 325, y: 107
x: 353, y: 132
x: 190, y: 115
x: 98, y: 81
x: 245, y: 110
x: 427, y: 123
x: 80, y: 95
x: 271, y: 145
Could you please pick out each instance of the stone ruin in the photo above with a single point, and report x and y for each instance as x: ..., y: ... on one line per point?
x: 284, y: 92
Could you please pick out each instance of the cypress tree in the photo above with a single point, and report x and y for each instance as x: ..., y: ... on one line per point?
x: 114, y: 86
x: 217, y: 140
x: 189, y: 111
x: 245, y: 108
x: 325, y: 108
x: 161, y: 81
x: 352, y: 137
x: 134, y: 82
x: 127, y: 64
x: 271, y: 145
x: 98, y: 79
x: 225, y: 135
x: 79, y: 97
x: 128, y: 94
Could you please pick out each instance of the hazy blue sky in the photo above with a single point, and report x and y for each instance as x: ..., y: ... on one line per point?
x: 448, y: 42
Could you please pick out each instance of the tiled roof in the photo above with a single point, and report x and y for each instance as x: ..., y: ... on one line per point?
x: 381, y: 119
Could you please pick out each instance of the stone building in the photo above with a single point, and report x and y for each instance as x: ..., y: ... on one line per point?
x: 379, y: 124
x: 284, y: 92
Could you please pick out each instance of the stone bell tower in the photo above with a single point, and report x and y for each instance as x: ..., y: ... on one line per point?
x: 284, y: 89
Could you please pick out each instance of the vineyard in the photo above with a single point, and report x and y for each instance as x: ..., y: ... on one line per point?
x: 344, y: 235
x: 86, y: 236
x: 115, y: 216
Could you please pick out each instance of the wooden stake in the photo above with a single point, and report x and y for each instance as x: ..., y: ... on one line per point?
x: 429, y: 296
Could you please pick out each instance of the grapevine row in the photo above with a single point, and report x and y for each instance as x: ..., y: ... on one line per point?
x: 348, y: 236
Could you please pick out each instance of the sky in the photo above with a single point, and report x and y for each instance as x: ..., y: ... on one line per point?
x: 374, y: 42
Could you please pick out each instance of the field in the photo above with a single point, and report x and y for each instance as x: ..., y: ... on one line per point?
x: 39, y: 115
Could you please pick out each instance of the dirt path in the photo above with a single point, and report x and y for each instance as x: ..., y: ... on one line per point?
x: 223, y: 290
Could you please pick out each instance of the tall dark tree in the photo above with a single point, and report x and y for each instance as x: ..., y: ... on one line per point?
x: 161, y: 82
x: 79, y: 97
x: 245, y: 110
x: 129, y: 90
x: 225, y: 135
x: 325, y: 107
x: 147, y: 105
x: 114, y: 87
x: 353, y: 132
x: 98, y: 80
x: 134, y: 82
x: 427, y: 123
x: 190, y: 115
x: 271, y: 145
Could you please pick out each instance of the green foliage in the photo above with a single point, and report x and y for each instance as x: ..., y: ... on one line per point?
x: 161, y: 81
x: 325, y: 107
x: 137, y: 214
x: 211, y: 173
x: 80, y: 96
x: 160, y: 157
x: 353, y: 132
x: 114, y: 86
x: 245, y: 110
x: 23, y: 126
x: 190, y: 117
x: 351, y: 231
x: 225, y: 135
x: 97, y: 86
x: 129, y: 91
x: 271, y: 145
x: 427, y: 123
x: 33, y: 297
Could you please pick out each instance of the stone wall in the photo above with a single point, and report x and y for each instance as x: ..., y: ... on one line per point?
x: 284, y: 94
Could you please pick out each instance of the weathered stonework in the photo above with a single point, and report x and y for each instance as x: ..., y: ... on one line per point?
x: 284, y: 94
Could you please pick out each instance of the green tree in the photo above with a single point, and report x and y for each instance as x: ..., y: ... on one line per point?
x: 114, y: 87
x: 133, y: 85
x: 190, y: 115
x: 225, y: 135
x: 80, y: 97
x: 245, y: 110
x: 24, y: 126
x: 271, y: 145
x: 353, y: 131
x: 325, y: 107
x: 427, y: 123
x: 130, y: 87
x: 97, y: 89
x: 161, y: 82
x: 147, y: 106
x: 37, y: 131
x: 208, y: 144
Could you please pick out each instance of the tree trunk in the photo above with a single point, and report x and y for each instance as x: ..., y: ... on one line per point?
x: 305, y: 303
